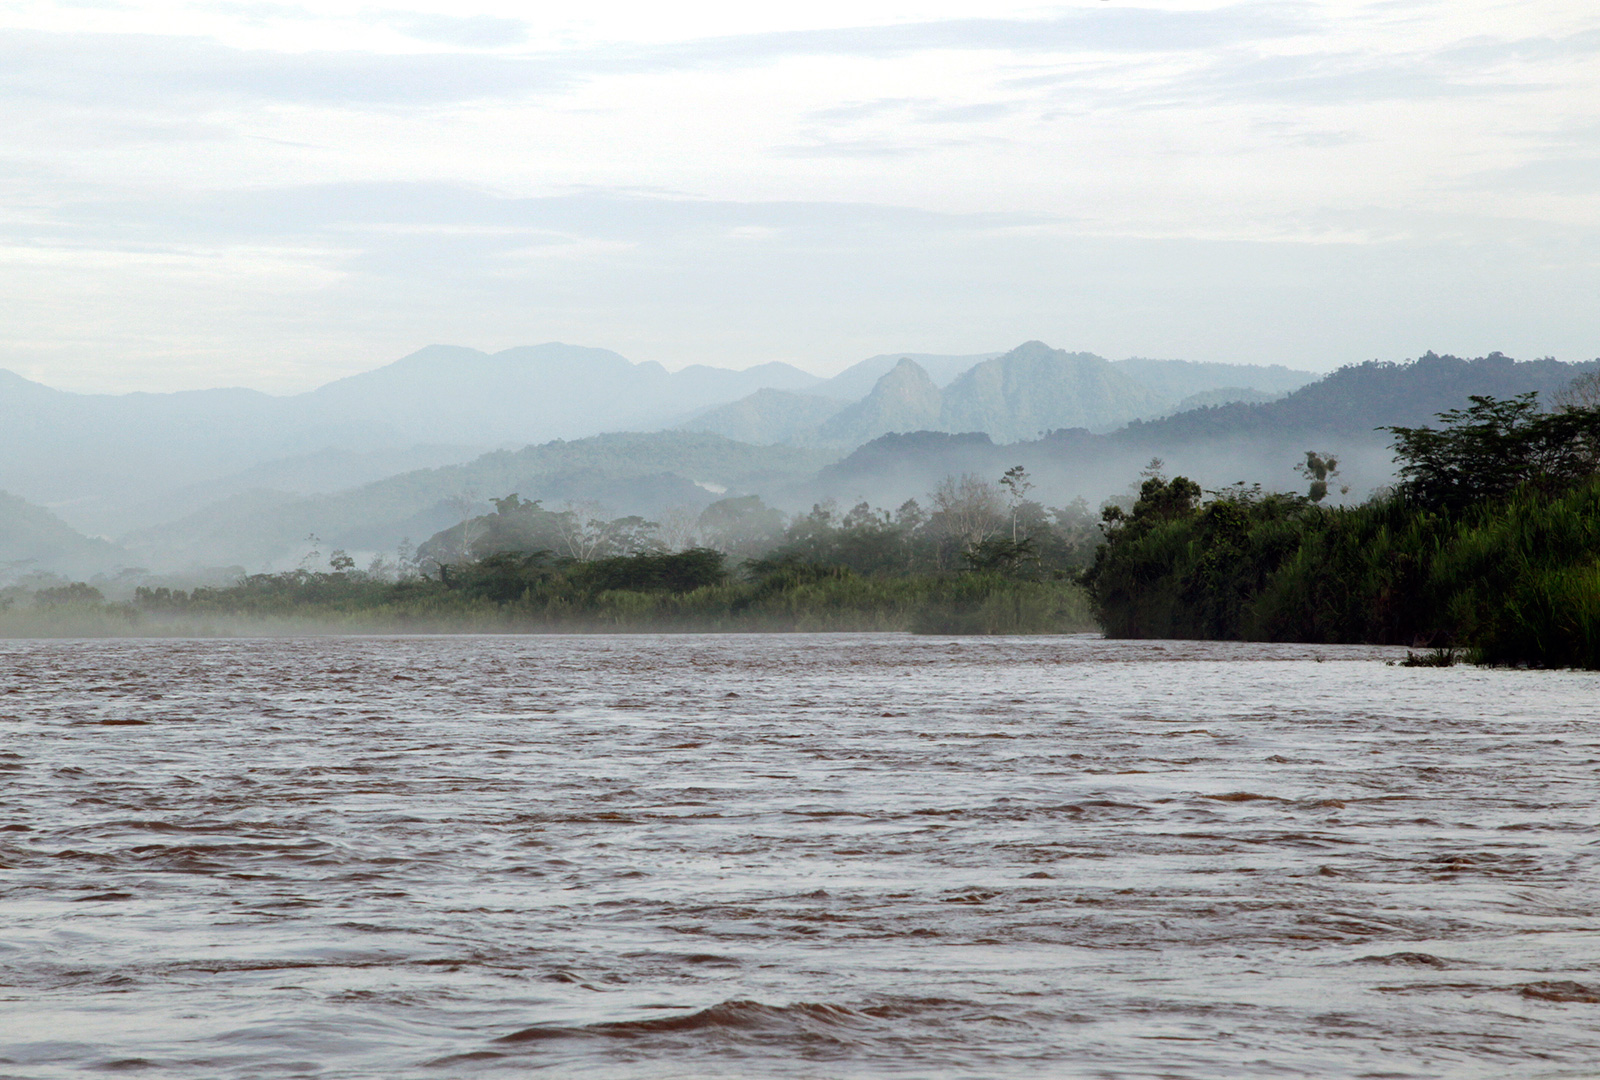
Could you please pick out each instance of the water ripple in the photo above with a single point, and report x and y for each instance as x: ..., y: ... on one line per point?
x: 791, y: 856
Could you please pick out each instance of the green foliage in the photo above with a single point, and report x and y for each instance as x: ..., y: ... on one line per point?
x: 499, y: 578
x: 742, y: 526
x: 1319, y: 469
x: 517, y: 526
x: 1493, y: 544
x: 1036, y: 542
x: 1522, y: 580
x: 1172, y: 568
x: 779, y: 573
x: 1003, y: 555
x: 996, y: 603
x: 77, y: 593
x: 1493, y: 448
x: 1440, y: 657
x: 681, y: 572
x: 689, y: 590
x: 966, y: 529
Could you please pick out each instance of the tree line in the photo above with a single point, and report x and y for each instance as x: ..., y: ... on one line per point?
x: 1489, y: 542
x: 983, y: 558
x: 969, y: 523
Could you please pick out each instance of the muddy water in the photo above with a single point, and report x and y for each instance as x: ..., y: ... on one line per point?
x: 831, y: 856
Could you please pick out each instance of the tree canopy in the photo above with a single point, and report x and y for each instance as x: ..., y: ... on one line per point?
x: 1494, y: 447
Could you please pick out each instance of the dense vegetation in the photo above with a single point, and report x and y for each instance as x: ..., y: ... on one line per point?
x: 689, y: 590
x: 1491, y: 541
x: 984, y: 559
x: 969, y: 523
x: 1357, y: 397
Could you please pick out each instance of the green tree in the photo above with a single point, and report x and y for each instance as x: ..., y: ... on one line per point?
x: 1016, y: 485
x: 1491, y: 448
x: 1320, y: 469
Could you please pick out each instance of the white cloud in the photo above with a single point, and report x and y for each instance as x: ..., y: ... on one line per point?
x: 733, y: 184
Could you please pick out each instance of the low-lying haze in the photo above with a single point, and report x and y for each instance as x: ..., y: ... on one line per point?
x: 270, y: 196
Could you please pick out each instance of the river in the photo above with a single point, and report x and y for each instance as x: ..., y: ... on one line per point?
x: 792, y: 856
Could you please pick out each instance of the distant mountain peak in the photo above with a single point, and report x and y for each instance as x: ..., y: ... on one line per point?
x: 906, y: 372
x: 903, y: 399
x: 1034, y: 388
x: 905, y: 388
x: 765, y: 417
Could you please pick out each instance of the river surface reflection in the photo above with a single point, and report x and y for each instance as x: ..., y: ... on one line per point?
x: 792, y: 856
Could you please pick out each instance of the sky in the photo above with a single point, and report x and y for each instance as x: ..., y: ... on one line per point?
x: 268, y: 195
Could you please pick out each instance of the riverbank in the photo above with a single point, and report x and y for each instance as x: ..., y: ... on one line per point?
x: 506, y: 598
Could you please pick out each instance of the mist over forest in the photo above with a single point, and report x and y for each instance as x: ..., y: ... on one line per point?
x: 210, y: 486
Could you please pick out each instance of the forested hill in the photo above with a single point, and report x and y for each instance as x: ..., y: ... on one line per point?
x: 1361, y: 397
x: 32, y: 538
x: 1016, y: 395
x: 629, y: 473
x: 1343, y: 413
x: 112, y: 463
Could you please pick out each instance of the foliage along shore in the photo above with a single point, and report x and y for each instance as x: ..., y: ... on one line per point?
x: 1490, y: 544
x: 984, y: 559
x: 510, y: 593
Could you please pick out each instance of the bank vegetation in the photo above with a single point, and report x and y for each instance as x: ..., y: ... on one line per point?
x: 983, y: 559
x: 1489, y: 543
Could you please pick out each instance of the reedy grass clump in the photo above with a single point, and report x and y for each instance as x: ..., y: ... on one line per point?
x: 534, y: 595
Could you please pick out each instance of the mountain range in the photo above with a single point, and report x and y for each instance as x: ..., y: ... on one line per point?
x: 111, y: 465
x: 32, y: 537
x: 1345, y: 414
x: 1011, y: 397
x: 897, y: 440
x: 627, y: 473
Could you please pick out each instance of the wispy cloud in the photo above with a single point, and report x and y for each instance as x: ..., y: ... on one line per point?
x: 1574, y: 176
x: 1103, y: 29
x: 327, y: 211
x: 1105, y: 170
x: 123, y: 68
x: 466, y: 31
x: 117, y: 71
x: 1345, y: 78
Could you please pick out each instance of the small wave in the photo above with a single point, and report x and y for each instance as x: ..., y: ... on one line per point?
x: 1561, y: 991
x: 1483, y: 862
x: 806, y: 1021
x: 1406, y: 959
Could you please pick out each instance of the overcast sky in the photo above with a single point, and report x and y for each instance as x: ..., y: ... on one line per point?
x: 267, y: 195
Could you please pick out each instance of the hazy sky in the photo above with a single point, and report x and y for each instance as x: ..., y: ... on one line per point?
x: 262, y: 194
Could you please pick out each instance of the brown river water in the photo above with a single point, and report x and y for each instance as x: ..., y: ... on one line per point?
x: 792, y: 856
